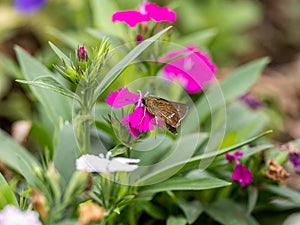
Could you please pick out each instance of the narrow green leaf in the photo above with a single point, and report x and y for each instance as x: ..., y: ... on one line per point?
x: 131, y: 56
x: 292, y: 195
x: 186, y: 184
x: 11, y: 152
x: 55, y: 105
x: 66, y: 152
x: 252, y: 198
x: 7, y: 195
x: 228, y: 213
x: 153, y: 210
x: 60, y: 54
x: 52, y: 84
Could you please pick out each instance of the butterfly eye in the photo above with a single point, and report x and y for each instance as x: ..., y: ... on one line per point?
x: 143, y: 101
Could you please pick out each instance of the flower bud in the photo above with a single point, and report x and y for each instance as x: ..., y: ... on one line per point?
x: 82, y: 54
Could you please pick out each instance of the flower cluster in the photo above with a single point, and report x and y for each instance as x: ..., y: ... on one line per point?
x: 190, y: 67
x: 240, y: 173
x: 294, y: 158
x: 140, y: 120
x: 101, y: 164
x: 148, y: 11
x: 11, y: 215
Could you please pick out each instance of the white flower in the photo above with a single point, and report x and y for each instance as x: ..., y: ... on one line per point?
x: 101, y: 164
x: 12, y: 215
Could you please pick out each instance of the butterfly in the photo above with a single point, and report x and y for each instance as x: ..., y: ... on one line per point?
x: 170, y: 112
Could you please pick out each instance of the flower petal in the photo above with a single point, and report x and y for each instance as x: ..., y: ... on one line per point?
x: 134, y: 132
x: 242, y: 174
x: 92, y: 163
x: 193, y: 70
x: 159, y: 14
x: 120, y: 164
x: 29, y: 6
x: 130, y: 17
x: 121, y: 98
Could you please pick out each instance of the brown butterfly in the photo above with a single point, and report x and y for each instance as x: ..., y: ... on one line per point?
x: 170, y: 112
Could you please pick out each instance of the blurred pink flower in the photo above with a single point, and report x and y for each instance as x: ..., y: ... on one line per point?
x: 147, y: 12
x: 140, y: 120
x: 191, y: 67
x: 241, y: 174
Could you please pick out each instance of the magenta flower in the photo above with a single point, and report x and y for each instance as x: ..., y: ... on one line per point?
x: 148, y: 11
x: 241, y: 174
x: 82, y: 54
x: 193, y: 70
x: 29, y: 6
x: 232, y: 157
x: 140, y: 120
x: 12, y: 215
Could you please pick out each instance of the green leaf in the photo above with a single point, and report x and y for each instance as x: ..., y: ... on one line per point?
x: 185, y: 184
x: 192, y: 209
x: 176, y: 220
x: 66, y: 152
x: 228, y: 213
x: 168, y: 158
x: 7, y: 196
x: 56, y: 106
x: 60, y: 54
x: 50, y: 83
x: 252, y: 198
x: 153, y: 210
x: 13, y: 155
x: 131, y: 56
x: 292, y: 195
x: 236, y: 84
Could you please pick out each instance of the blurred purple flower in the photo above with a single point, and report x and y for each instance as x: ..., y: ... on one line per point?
x: 191, y: 67
x: 147, y: 12
x: 12, y: 215
x: 251, y: 100
x: 241, y: 174
x: 140, y: 120
x: 294, y: 158
x: 29, y: 6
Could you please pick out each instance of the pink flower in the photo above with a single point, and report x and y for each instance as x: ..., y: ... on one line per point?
x: 232, y: 157
x: 192, y: 70
x: 147, y: 12
x: 140, y: 120
x: 242, y: 174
